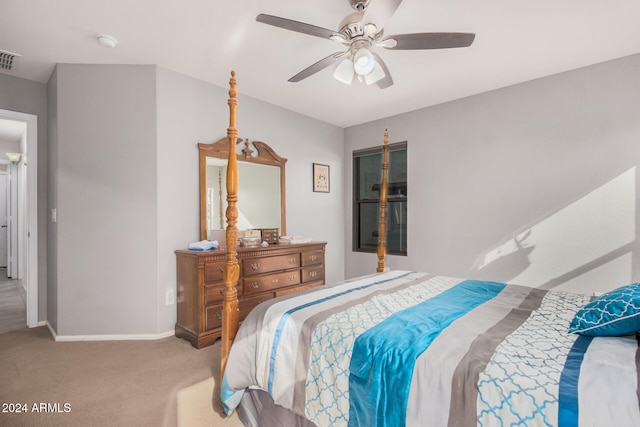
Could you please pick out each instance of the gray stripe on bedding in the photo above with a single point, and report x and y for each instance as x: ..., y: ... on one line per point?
x: 434, y: 368
x: 638, y: 367
x: 464, y: 396
x: 306, y: 332
x: 259, y: 410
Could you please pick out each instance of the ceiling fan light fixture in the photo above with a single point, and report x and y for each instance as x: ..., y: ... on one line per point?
x: 360, y: 31
x: 375, y: 75
x: 363, y: 62
x: 344, y: 72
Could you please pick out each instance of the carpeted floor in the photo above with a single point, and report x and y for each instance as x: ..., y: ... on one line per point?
x: 165, y: 382
x: 13, y: 303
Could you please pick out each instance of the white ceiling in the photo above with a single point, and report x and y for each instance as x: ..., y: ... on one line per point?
x: 515, y: 41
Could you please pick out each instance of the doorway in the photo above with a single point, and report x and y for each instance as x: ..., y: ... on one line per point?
x: 22, y: 209
x: 5, y: 207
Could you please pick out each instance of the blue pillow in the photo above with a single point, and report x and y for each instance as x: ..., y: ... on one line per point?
x: 614, y: 313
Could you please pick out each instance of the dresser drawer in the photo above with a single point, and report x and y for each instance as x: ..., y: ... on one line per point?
x: 248, y: 304
x: 213, y: 272
x: 245, y: 305
x: 295, y: 289
x: 312, y: 274
x: 253, y: 266
x: 312, y: 258
x: 213, y: 293
x: 254, y: 285
x: 213, y: 317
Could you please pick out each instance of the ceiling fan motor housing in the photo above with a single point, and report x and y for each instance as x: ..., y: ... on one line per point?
x: 351, y: 25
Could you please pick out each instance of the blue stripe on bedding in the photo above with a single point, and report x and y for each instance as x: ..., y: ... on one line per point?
x: 384, y: 356
x: 568, y: 395
x: 285, y: 316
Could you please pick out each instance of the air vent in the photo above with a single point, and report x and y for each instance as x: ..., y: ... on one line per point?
x: 8, y: 61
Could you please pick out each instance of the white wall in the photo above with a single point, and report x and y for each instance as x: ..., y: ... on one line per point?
x: 552, y: 163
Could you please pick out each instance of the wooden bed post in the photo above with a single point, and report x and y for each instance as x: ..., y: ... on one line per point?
x: 231, y: 272
x: 382, y: 225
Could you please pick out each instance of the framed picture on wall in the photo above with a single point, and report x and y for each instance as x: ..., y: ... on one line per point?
x: 320, y: 178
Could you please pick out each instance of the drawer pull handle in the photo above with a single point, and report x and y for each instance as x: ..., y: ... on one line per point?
x: 255, y: 285
x: 313, y: 273
x: 292, y: 278
x: 221, y: 291
x: 292, y: 260
x: 274, y: 281
x: 255, y: 266
x: 221, y: 270
x: 218, y: 315
x: 313, y: 257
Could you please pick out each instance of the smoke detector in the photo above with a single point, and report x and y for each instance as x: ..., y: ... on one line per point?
x: 107, y: 40
x: 8, y: 61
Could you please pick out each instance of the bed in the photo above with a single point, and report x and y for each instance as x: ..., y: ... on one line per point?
x: 400, y: 348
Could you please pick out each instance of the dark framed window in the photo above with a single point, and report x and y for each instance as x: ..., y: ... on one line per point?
x: 367, y: 177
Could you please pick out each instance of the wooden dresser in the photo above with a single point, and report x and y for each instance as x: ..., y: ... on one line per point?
x: 265, y: 273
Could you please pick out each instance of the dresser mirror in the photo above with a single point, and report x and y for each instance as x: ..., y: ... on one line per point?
x: 261, y: 189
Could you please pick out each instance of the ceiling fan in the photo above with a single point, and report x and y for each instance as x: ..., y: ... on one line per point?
x: 361, y: 31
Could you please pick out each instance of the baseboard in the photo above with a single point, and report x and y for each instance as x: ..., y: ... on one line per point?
x: 53, y: 333
x: 135, y: 337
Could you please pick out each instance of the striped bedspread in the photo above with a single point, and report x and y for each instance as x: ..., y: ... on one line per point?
x: 406, y: 348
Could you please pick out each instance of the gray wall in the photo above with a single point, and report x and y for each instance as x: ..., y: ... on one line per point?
x: 534, y: 184
x: 106, y: 200
x: 52, y: 199
x: 124, y: 180
x: 192, y: 111
x: 30, y: 97
x: 9, y: 146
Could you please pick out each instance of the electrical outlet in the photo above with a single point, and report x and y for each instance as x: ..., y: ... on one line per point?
x: 170, y: 296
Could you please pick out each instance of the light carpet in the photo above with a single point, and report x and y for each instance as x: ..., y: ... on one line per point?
x: 163, y: 382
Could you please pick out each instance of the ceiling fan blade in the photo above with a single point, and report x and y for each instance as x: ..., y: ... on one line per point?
x: 429, y: 41
x: 318, y: 66
x: 386, y: 81
x: 299, y: 27
x: 378, y: 12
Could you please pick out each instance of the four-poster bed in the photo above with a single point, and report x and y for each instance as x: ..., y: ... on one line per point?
x: 409, y: 348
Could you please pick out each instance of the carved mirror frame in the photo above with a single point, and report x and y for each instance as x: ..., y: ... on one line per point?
x: 220, y: 149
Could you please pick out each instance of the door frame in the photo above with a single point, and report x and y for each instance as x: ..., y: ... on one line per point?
x: 7, y: 195
x: 30, y: 216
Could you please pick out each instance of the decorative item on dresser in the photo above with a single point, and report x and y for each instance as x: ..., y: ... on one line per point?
x: 269, y: 235
x: 265, y: 273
